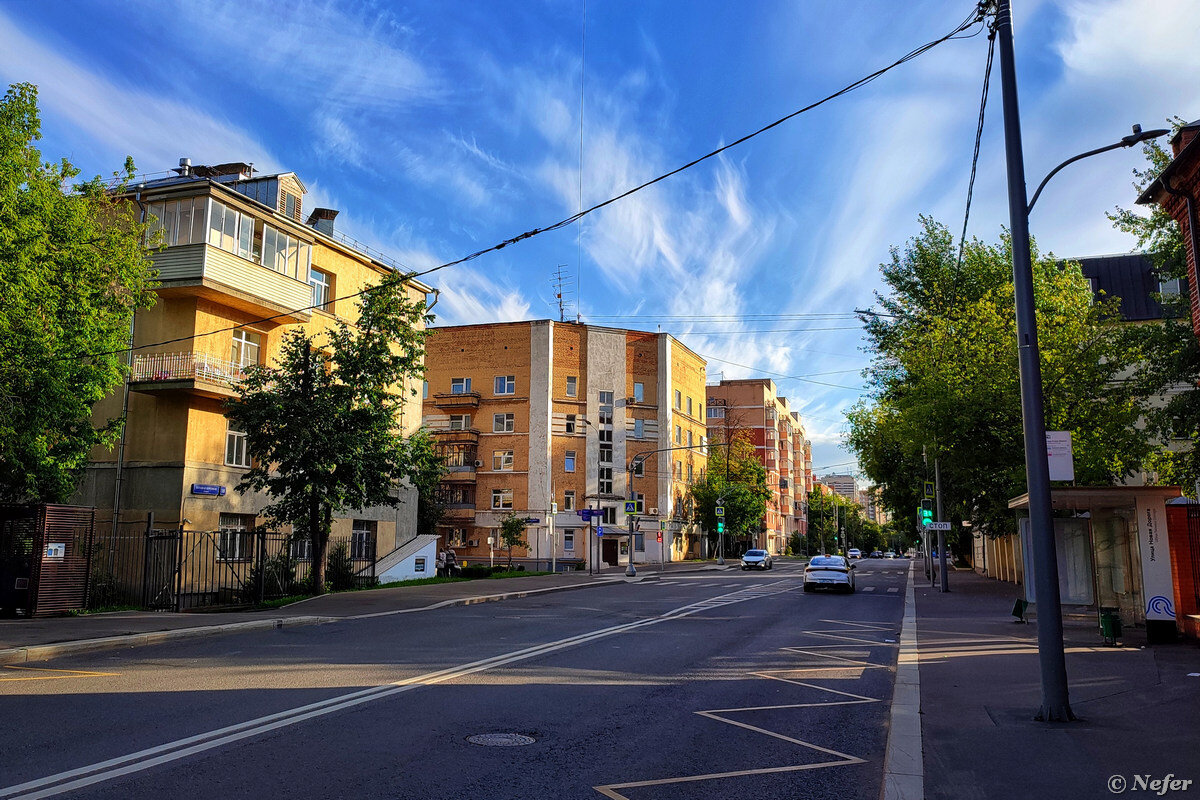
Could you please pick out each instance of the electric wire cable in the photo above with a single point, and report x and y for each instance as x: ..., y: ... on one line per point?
x: 987, y: 74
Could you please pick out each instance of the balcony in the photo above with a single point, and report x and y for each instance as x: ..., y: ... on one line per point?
x: 457, y: 400
x: 448, y: 437
x: 201, y: 373
x: 209, y: 272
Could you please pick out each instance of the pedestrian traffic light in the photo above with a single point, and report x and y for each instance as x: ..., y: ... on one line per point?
x: 926, y: 512
x: 720, y: 526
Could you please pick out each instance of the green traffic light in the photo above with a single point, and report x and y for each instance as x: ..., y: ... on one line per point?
x: 720, y: 527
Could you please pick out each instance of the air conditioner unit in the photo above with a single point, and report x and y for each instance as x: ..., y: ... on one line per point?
x: 472, y: 543
x: 654, y: 512
x: 478, y: 464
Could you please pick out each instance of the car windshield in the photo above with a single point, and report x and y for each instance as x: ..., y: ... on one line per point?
x: 756, y: 552
x: 827, y: 561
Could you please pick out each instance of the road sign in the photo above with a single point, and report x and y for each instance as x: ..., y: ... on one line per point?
x: 720, y: 511
x: 662, y: 525
x: 589, y: 513
x: 599, y: 530
x: 553, y: 508
x: 631, y: 506
x: 531, y: 520
x: 930, y: 491
x: 939, y: 526
x: 660, y: 536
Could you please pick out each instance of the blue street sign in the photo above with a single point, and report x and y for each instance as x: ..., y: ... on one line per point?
x: 589, y: 513
x: 531, y: 520
x: 599, y: 530
x: 630, y: 506
x: 208, y: 489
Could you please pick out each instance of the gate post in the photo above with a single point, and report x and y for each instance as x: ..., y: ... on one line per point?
x: 179, y: 567
x: 261, y: 560
x: 146, y: 560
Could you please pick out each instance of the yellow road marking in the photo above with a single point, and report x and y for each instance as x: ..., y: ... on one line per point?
x: 62, y: 674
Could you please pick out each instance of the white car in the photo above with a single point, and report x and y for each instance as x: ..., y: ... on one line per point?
x: 756, y: 559
x: 829, y: 572
x: 855, y: 553
x: 889, y: 554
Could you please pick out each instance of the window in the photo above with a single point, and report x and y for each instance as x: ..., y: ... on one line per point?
x: 424, y: 390
x: 639, y: 467
x: 606, y: 480
x: 569, y: 461
x: 223, y: 225
x: 639, y: 392
x: 233, y: 541
x: 503, y: 423
x: 572, y: 386
x: 639, y: 429
x: 716, y: 413
x: 362, y: 539
x: 502, y: 498
x: 235, y: 448
x: 608, y: 515
x: 606, y: 398
x: 678, y: 473
x: 300, y: 548
x: 457, y: 537
x: 569, y: 540
x: 418, y: 563
x: 689, y: 406
x: 285, y: 254
x: 606, y: 454
x: 690, y: 440
x: 678, y: 435
x: 460, y: 422
x: 460, y: 385
x: 639, y: 541
x: 180, y: 221
x: 606, y: 421
x: 321, y: 283
x: 502, y: 460
x: 290, y: 207
x: 246, y: 347
x: 678, y: 399
x: 506, y: 384
x: 569, y: 500
x: 689, y: 473
x: 570, y: 423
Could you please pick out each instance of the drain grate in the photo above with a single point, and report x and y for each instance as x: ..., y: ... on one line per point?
x: 501, y: 739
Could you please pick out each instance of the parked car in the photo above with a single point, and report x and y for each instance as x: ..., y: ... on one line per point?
x: 876, y: 554
x: 829, y: 572
x: 756, y: 559
x: 854, y: 553
x: 889, y: 554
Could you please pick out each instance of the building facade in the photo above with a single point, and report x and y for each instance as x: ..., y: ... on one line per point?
x: 752, y: 408
x: 240, y: 267
x: 543, y: 419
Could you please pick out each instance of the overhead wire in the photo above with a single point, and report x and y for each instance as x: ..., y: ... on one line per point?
x: 987, y: 74
x: 971, y: 20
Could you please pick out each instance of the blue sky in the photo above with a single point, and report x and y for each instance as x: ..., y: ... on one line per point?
x: 440, y: 128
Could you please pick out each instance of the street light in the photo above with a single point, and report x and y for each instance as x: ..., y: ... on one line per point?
x: 1056, y: 706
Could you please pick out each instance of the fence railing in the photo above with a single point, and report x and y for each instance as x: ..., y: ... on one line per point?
x: 185, y: 366
x: 181, y: 570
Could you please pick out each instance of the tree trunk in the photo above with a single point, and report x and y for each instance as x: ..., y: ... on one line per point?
x: 319, y: 543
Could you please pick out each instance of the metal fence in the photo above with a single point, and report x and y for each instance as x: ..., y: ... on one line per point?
x: 138, y: 565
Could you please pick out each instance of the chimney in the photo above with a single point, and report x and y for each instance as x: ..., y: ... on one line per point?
x: 322, y: 220
x: 185, y: 167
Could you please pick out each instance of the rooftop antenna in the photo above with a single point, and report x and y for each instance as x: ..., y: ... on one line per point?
x: 561, y: 280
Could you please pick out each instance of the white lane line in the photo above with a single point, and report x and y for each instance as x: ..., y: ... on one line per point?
x: 904, y: 768
x: 181, y: 748
x: 869, y: 589
x: 893, y: 589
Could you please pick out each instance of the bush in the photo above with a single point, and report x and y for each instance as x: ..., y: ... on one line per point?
x: 475, y: 571
x: 278, y: 577
x: 339, y: 570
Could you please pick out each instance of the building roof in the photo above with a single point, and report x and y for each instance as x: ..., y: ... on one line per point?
x: 1154, y: 191
x: 1129, y: 276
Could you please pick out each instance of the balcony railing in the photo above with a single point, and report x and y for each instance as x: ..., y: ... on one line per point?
x: 457, y: 400
x: 150, y: 367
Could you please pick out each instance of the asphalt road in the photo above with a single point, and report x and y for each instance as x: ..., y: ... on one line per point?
x: 717, y: 685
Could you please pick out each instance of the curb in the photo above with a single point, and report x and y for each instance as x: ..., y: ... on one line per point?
x: 904, y: 768
x: 44, y: 652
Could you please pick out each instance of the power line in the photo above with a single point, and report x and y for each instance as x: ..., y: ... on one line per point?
x: 780, y: 374
x: 987, y: 74
x: 971, y: 20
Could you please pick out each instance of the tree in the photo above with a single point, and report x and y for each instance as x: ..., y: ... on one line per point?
x: 428, y: 469
x: 75, y: 268
x: 322, y: 424
x: 512, y: 534
x: 945, y: 381
x: 736, y: 478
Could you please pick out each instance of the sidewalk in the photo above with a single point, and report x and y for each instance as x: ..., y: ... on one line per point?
x: 48, y: 637
x: 981, y: 686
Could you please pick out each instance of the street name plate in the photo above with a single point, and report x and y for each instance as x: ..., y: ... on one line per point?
x: 939, y: 526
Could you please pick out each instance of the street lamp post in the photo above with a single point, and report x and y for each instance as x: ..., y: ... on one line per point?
x: 1056, y: 706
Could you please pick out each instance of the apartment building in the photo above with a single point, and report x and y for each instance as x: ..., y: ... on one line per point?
x: 240, y: 268
x: 753, y: 408
x: 844, y: 485
x: 543, y: 418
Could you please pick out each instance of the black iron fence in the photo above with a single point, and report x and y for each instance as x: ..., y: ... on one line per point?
x: 139, y: 565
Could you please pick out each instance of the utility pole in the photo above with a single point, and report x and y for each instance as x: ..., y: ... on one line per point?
x: 937, y: 492
x: 1056, y: 705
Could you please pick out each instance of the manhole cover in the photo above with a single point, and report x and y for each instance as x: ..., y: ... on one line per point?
x: 500, y: 739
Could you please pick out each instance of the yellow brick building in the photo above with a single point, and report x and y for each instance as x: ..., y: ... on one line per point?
x: 240, y: 268
x: 537, y: 415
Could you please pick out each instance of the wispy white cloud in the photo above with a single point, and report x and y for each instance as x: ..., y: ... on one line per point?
x: 470, y: 297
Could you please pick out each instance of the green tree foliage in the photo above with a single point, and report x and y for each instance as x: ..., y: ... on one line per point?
x: 74, y: 269
x: 323, y: 424
x: 1170, y: 352
x: 735, y: 474
x: 428, y: 469
x: 945, y: 380
x: 512, y: 533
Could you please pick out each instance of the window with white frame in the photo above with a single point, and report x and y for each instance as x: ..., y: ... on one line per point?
x: 689, y: 406
x: 179, y: 221
x: 606, y: 398
x: 503, y: 423
x: 362, y: 539
x: 716, y: 412
x: 691, y: 441
x: 569, y: 500
x: 639, y: 467
x: 460, y: 422
x: 233, y: 539
x: 300, y: 548
x: 505, y: 384
x: 570, y: 423
x: 460, y: 386
x: 230, y: 230
x: 246, y: 348
x: 678, y: 399
x: 322, y: 285
x: 678, y: 473
x: 689, y: 473
x: 457, y: 537
x: 678, y: 435
x: 639, y: 392
x: 569, y: 461
x: 502, y: 499
x: 606, y: 454
x: 236, y: 454
x: 639, y: 429
x: 605, y: 481
x: 569, y: 540
x: 502, y: 460
x: 572, y: 386
x: 285, y: 254
x: 608, y: 515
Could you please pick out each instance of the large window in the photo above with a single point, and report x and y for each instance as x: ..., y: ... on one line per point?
x: 606, y: 480
x: 716, y: 413
x: 503, y: 423
x: 606, y: 398
x: 235, y: 449
x: 570, y: 423
x: 502, y: 460
x: 230, y: 230
x: 569, y: 500
x: 285, y: 254
x: 180, y: 221
x: 569, y: 461
x: 569, y: 540
x: 457, y: 537
x: 606, y: 454
x: 502, y: 499
x: 322, y: 286
x: 460, y: 422
x: 506, y: 384
x: 246, y: 348
x: 233, y: 540
x: 362, y: 539
x: 460, y: 386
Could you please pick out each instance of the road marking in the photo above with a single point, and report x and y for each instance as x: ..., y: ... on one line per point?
x: 869, y: 589
x: 61, y: 674
x: 893, y: 589
x: 109, y: 769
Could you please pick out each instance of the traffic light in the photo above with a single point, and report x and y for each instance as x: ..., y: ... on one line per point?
x: 926, y: 512
x: 720, y: 526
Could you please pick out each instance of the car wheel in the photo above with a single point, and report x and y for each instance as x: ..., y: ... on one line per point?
x: 769, y: 566
x: 808, y: 587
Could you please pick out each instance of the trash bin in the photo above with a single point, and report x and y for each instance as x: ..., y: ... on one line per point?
x: 1110, y: 624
